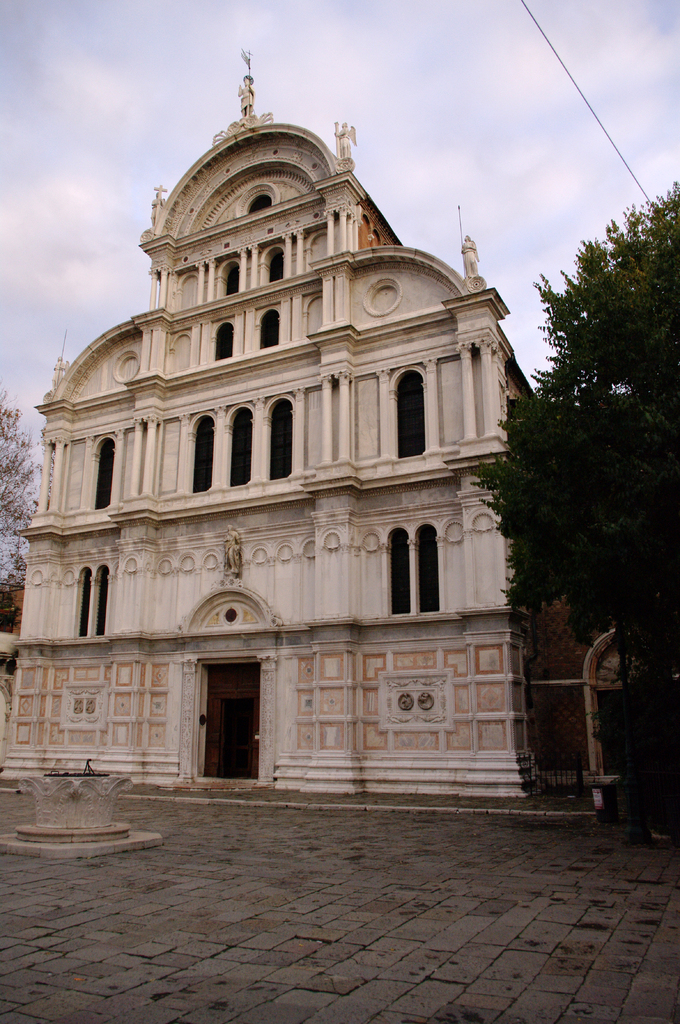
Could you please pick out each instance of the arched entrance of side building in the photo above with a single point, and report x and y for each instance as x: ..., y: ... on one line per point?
x: 601, y: 678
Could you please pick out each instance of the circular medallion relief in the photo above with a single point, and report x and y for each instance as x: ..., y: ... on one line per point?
x: 285, y: 553
x: 425, y: 701
x: 331, y: 541
x: 309, y: 549
x: 482, y: 522
x: 383, y: 297
x: 165, y: 567
x: 69, y: 578
x: 127, y: 367
x: 36, y: 578
x: 187, y: 564
x: 405, y: 701
x: 371, y: 542
x: 211, y: 561
x: 131, y: 565
x: 259, y: 556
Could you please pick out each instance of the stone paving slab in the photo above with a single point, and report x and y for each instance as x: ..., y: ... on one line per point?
x: 257, y: 912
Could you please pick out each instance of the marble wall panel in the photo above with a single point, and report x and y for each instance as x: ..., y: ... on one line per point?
x: 331, y: 701
x: 373, y: 664
x: 305, y: 737
x: 460, y: 737
x: 305, y: 703
x: 457, y: 662
x: 416, y: 741
x: 332, y: 666
x: 332, y: 736
x: 490, y: 697
x: 492, y: 735
x: 305, y: 670
x: 489, y: 660
x: 373, y: 738
x: 406, y: 660
x: 370, y: 702
x: 461, y: 699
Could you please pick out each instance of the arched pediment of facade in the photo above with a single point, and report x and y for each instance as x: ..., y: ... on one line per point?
x: 265, y: 150
x: 230, y: 608
x: 117, y: 350
x: 398, y: 258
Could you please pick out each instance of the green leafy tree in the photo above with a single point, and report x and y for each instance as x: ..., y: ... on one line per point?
x: 17, y: 504
x: 589, y: 492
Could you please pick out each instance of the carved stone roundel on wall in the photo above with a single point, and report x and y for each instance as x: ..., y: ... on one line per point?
x: 383, y: 297
x: 127, y: 367
x: 285, y: 553
x: 259, y: 556
x: 371, y: 542
x: 165, y: 567
x: 331, y: 541
x: 482, y: 522
x: 454, y: 532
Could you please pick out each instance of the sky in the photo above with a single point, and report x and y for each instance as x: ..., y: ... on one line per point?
x: 454, y: 103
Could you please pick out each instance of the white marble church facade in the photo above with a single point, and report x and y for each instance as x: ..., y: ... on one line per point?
x: 259, y: 551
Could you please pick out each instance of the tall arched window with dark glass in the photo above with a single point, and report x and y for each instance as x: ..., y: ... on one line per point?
x: 105, y: 474
x: 203, y: 455
x: 233, y: 281
x: 224, y: 342
x: 281, y: 454
x: 102, y: 598
x: 85, y: 594
x: 410, y: 415
x: 276, y: 267
x: 241, y: 448
x: 400, y: 580
x: 269, y: 329
x: 428, y: 569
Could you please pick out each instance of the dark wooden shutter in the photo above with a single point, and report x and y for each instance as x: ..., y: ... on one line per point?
x: 428, y: 569
x: 241, y: 448
x: 410, y: 416
x: 281, y: 457
x: 203, y: 456
x: 400, y: 576
x: 105, y: 475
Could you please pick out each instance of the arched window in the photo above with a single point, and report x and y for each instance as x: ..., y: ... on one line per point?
x: 281, y: 456
x: 85, y: 594
x: 105, y: 474
x: 269, y: 329
x: 224, y: 343
x: 260, y: 203
x: 428, y: 569
x: 410, y: 415
x: 102, y: 588
x: 232, y: 281
x: 276, y: 267
x: 400, y: 581
x: 241, y: 448
x: 203, y: 455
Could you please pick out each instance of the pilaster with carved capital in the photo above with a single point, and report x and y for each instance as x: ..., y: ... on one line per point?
x: 267, y: 704
x: 187, y: 717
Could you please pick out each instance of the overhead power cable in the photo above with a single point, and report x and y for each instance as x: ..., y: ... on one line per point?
x: 625, y: 162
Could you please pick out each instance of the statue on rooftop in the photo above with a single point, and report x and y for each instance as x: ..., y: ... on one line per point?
x: 344, y: 137
x: 474, y: 282
x: 247, y: 96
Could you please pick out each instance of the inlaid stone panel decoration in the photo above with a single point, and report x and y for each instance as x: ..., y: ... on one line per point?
x: 490, y: 697
x: 332, y: 666
x: 409, y: 699
x: 492, y: 735
x: 373, y: 664
x: 460, y: 736
x: 456, y: 661
x: 489, y: 660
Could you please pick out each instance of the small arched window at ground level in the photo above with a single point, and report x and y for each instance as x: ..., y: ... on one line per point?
x: 428, y: 570
x: 260, y: 203
x: 85, y: 595
x: 203, y: 455
x: 102, y: 589
x: 269, y: 329
x: 224, y: 342
x: 400, y: 579
x: 233, y: 281
x: 105, y: 474
x: 281, y: 453
x: 276, y: 267
x: 241, y: 448
x: 410, y: 416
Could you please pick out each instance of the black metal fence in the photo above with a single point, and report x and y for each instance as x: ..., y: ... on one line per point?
x: 560, y: 775
x: 660, y: 785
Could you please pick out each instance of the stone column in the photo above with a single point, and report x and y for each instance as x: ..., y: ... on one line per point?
x: 239, y: 331
x: 385, y: 428
x: 183, y: 453
x: 254, y: 266
x: 413, y: 574
x: 205, y: 344
x: 136, y: 456
x: 150, y: 460
x: 300, y: 252
x: 218, y: 455
x: 258, y: 431
x: 57, y: 474
x: 265, y: 441
x: 330, y: 228
x: 153, y: 297
x: 299, y: 433
x: 201, y: 284
x: 288, y: 255
x: 267, y: 705
x: 195, y: 350
x: 90, y: 470
x: 431, y: 405
x: 469, y: 417
x: 243, y: 270
x: 492, y: 413
x: 345, y: 379
x: 343, y: 230
x: 146, y: 348
x: 187, y: 718
x: 249, y: 335
x: 172, y: 291
x: 211, y: 280
x: 284, y: 326
x: 118, y: 455
x: 296, y: 318
x: 441, y: 564
x: 163, y: 298
x: 326, y: 419
x: 327, y: 300
x: 46, y: 474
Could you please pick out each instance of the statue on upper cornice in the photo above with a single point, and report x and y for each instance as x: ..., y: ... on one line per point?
x: 249, y: 119
x: 344, y: 137
x: 474, y: 282
x: 60, y: 369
